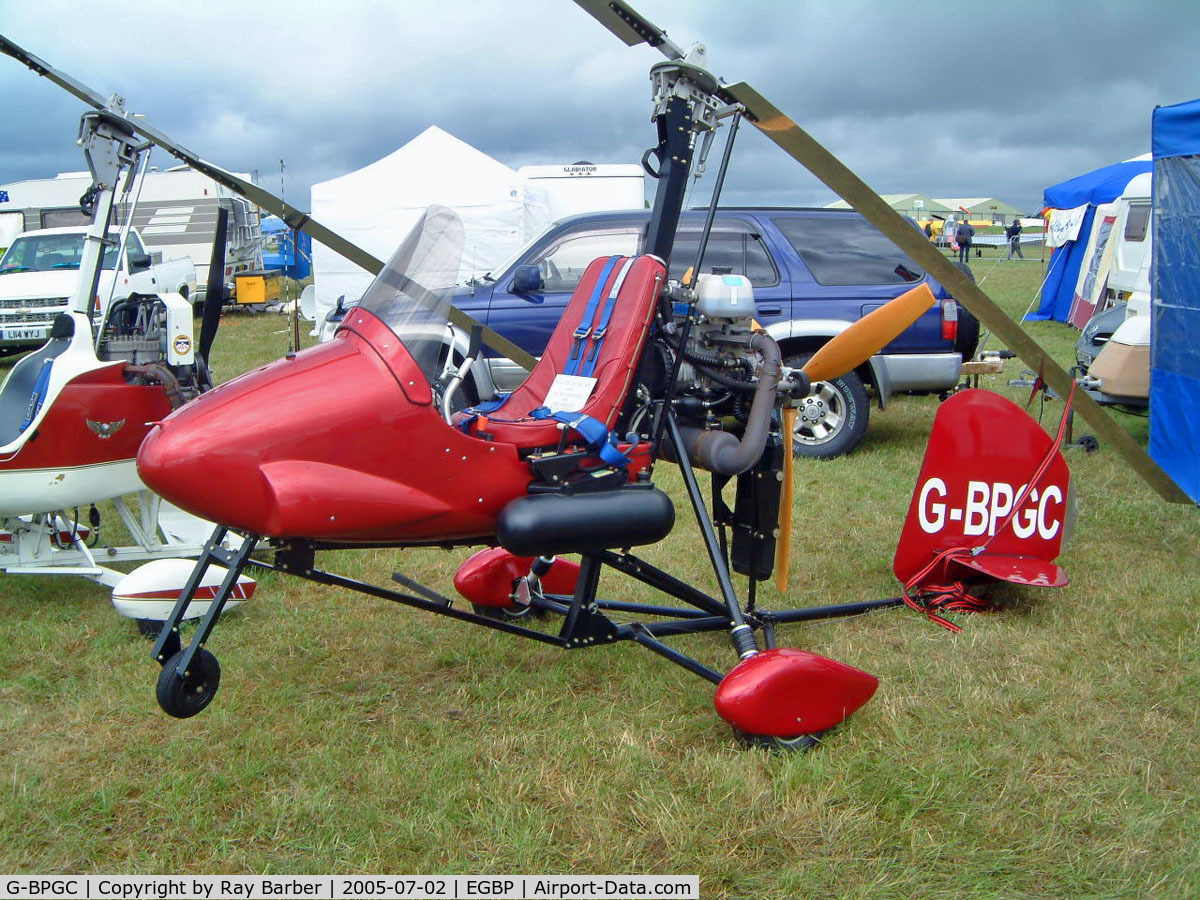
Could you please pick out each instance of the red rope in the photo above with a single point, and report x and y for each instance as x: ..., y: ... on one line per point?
x: 954, y: 597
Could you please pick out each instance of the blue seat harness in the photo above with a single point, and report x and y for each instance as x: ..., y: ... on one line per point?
x: 590, y: 326
x: 39, y: 395
x: 595, y: 433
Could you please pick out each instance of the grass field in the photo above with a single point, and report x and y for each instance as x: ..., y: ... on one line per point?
x: 1048, y: 751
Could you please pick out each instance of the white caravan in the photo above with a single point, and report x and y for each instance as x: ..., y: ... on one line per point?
x: 586, y: 187
x: 1115, y: 345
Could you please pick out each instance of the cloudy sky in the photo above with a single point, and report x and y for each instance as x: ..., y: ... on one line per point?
x: 949, y: 99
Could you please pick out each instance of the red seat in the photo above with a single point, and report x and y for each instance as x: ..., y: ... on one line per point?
x: 616, y: 355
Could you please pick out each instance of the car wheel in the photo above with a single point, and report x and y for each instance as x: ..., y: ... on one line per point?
x: 967, y: 341
x: 832, y: 419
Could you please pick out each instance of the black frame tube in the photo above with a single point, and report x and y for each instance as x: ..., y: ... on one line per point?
x: 362, y: 587
x: 698, y: 668
x: 718, y: 186
x: 674, y: 152
x: 700, y: 509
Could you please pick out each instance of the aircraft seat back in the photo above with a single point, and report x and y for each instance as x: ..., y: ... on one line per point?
x: 24, y: 391
x: 600, y: 336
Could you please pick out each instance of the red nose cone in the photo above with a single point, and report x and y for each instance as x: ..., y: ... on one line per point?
x: 276, y: 437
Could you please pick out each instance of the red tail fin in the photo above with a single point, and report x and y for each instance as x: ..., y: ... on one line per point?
x: 992, y: 500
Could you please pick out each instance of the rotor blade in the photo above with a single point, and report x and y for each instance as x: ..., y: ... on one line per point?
x: 870, y: 334
x: 808, y: 152
x: 255, y: 194
x: 629, y: 25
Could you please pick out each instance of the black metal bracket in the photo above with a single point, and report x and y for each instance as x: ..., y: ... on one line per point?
x: 584, y: 624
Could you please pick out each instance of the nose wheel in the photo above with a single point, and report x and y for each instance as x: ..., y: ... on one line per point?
x: 801, y: 744
x: 183, y: 696
x: 191, y: 675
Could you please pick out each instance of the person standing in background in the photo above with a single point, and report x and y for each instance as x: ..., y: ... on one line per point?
x: 962, y: 237
x: 1013, y: 233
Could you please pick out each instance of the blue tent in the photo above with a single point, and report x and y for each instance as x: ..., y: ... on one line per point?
x: 1101, y: 186
x: 1175, y: 289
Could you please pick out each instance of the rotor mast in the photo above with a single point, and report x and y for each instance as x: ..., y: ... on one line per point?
x: 109, y: 147
x: 685, y: 106
x: 688, y: 102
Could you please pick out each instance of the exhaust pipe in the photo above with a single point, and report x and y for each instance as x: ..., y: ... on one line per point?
x: 725, y: 453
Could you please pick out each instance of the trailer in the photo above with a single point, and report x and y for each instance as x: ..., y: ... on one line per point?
x: 585, y: 187
x: 176, y: 215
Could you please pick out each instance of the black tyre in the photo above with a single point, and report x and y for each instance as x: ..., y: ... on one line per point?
x: 149, y: 628
x: 801, y: 744
x: 967, y: 341
x: 506, y: 613
x: 183, y: 697
x: 833, y: 418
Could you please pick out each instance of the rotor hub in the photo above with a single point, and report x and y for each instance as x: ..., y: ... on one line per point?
x: 690, y: 81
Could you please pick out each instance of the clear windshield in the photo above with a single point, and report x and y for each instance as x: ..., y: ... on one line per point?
x: 413, y: 292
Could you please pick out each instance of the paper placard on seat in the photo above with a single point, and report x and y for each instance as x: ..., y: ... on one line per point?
x: 569, y: 393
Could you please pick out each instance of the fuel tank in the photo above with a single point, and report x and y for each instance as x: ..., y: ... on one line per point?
x: 551, y: 524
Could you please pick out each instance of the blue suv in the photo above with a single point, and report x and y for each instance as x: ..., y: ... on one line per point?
x: 814, y: 272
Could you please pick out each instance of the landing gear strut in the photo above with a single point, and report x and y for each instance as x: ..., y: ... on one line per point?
x: 191, y: 675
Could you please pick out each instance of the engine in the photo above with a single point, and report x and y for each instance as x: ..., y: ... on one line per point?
x: 731, y: 377
x: 731, y: 384
x: 152, y: 334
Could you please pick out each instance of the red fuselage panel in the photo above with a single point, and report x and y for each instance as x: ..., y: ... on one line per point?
x: 96, y: 418
x: 338, y: 443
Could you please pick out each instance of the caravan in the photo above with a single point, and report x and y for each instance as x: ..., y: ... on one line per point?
x: 1114, y: 350
x: 176, y: 214
x: 585, y: 187
x: 1099, y: 225
x: 1129, y: 271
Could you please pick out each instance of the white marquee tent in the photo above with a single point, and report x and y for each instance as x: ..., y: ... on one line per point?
x: 376, y: 206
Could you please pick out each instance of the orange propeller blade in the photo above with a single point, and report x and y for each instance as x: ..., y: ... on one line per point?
x: 868, y: 335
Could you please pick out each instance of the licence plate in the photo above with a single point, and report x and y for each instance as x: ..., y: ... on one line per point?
x: 23, y: 334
